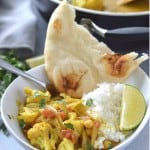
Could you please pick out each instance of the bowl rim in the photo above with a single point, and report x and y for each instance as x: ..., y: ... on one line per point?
x: 28, y: 145
x: 106, y: 13
x: 11, y: 131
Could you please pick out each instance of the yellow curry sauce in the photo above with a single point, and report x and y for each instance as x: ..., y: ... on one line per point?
x: 135, y: 6
x: 59, y: 122
x: 112, y: 5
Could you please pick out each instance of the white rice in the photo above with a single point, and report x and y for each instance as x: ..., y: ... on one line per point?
x: 107, y: 102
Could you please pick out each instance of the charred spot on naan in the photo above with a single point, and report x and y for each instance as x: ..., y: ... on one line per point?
x: 57, y: 25
x: 70, y: 82
x: 116, y: 64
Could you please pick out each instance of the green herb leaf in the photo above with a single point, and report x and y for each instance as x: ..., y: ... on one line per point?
x: 42, y: 103
x: 11, y: 117
x: 89, y: 146
x: 110, y: 146
x: 89, y: 102
x: 69, y: 125
x: 22, y: 123
x: 36, y: 94
x: 7, y: 77
x: 61, y: 102
x: 3, y: 128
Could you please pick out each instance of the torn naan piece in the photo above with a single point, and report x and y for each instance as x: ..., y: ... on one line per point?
x: 75, y: 61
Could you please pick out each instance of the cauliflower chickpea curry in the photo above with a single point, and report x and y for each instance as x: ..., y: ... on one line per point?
x: 60, y: 122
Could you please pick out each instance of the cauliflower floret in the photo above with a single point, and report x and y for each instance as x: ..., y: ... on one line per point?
x: 42, y: 136
x: 77, y: 125
x: 75, y: 104
x: 35, y: 96
x: 29, y: 115
x: 66, y: 144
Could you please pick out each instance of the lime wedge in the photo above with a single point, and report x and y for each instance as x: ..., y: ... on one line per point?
x: 35, y: 61
x: 133, y: 108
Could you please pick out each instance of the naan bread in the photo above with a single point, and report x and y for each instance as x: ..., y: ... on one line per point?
x: 75, y: 61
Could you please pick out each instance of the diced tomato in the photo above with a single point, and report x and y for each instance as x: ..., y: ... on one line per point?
x: 48, y: 114
x: 69, y: 108
x: 65, y: 131
x: 69, y: 135
x: 62, y: 115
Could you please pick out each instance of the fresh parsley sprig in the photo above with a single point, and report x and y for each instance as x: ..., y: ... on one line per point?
x: 89, y: 102
x: 6, y: 77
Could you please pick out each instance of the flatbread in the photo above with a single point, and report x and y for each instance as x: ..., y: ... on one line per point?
x: 75, y: 61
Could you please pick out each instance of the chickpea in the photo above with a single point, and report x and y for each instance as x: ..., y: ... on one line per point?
x: 88, y: 123
x: 72, y: 115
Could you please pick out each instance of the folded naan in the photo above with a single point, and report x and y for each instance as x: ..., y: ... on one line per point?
x: 75, y: 61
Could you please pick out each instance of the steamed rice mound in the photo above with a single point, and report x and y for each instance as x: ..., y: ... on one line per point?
x: 107, y: 99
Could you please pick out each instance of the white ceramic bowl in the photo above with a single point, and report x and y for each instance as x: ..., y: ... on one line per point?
x: 106, y: 13
x: 15, y: 92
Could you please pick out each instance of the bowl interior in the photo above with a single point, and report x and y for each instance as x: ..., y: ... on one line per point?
x: 14, y: 92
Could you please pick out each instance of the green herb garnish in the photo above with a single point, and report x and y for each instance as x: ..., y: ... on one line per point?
x: 42, y: 103
x: 89, y: 102
x: 7, y: 77
x: 11, y: 117
x: 110, y: 146
x: 89, y: 146
x: 3, y: 128
x: 36, y: 94
x: 69, y: 125
x: 22, y: 123
x: 61, y: 102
